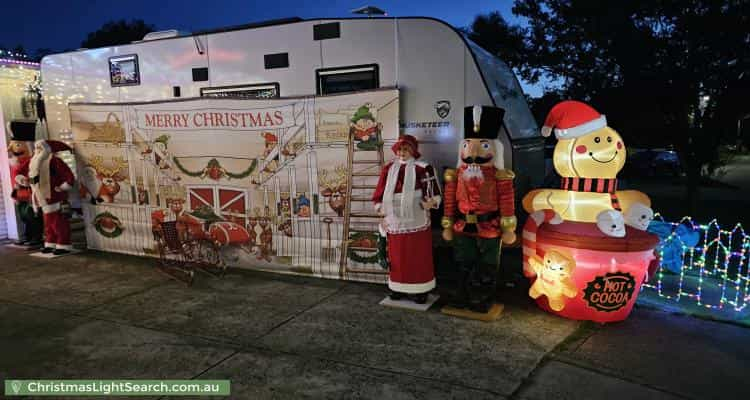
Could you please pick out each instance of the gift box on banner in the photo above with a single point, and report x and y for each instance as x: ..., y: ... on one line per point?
x: 580, y: 273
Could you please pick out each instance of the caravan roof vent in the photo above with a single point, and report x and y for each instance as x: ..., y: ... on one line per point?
x: 170, y: 33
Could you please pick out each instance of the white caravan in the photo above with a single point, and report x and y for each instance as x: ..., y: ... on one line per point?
x: 437, y: 70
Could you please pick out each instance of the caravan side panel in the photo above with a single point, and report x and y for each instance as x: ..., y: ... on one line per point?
x: 163, y: 65
x: 91, y: 76
x: 364, y: 42
x: 237, y: 57
x: 431, y: 68
x: 57, y: 78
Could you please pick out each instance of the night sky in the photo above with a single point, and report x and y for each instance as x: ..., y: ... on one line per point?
x: 63, y: 24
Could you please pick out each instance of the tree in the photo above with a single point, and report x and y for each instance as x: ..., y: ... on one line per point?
x: 659, y: 68
x: 495, y: 35
x: 19, y: 50
x: 117, y: 32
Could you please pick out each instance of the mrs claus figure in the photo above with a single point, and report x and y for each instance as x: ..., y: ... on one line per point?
x: 406, y: 191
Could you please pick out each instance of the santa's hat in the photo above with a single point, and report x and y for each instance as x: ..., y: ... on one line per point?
x: 572, y: 119
x: 53, y: 146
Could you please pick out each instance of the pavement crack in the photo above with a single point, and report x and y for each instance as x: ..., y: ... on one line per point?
x: 293, y: 316
x: 584, y: 331
x: 216, y: 364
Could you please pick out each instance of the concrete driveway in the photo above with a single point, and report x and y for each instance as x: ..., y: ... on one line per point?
x: 97, y: 315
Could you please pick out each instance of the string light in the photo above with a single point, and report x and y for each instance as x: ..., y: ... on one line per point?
x: 18, y: 62
x: 12, y: 54
x: 720, y: 260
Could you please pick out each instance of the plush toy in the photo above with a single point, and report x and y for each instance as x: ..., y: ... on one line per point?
x: 672, y: 240
x: 588, y: 156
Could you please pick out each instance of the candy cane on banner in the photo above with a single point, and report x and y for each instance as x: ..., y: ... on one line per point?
x: 535, y: 219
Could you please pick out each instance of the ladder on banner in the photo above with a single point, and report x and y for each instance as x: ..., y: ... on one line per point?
x: 362, y: 219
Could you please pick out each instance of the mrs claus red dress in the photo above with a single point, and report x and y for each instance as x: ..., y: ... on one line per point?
x: 407, y: 224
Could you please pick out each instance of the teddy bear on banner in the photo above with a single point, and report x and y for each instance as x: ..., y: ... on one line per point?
x: 588, y: 156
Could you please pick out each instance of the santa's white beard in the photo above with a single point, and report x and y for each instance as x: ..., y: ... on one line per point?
x: 36, y: 162
x: 39, y: 167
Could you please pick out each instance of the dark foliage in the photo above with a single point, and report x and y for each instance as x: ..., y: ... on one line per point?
x: 665, y: 73
x: 117, y: 32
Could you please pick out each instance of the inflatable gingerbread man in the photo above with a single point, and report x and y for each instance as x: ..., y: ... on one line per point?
x: 588, y: 156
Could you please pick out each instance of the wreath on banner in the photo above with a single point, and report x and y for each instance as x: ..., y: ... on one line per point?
x: 215, y: 171
x: 108, y: 225
x: 362, y: 239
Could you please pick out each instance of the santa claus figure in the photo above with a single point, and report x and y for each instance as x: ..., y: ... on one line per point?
x: 50, y: 180
x: 22, y: 136
x: 479, y: 208
x: 406, y: 192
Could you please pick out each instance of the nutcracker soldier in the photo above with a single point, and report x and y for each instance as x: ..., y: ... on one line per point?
x: 22, y: 133
x: 50, y: 180
x: 479, y: 209
x: 406, y: 191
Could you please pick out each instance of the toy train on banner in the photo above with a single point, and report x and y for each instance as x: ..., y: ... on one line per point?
x: 585, y: 245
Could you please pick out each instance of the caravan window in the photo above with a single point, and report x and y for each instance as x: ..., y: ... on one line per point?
x: 123, y: 70
x: 347, y: 79
x: 254, y: 91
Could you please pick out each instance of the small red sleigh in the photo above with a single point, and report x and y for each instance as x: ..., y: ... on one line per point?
x: 189, y: 243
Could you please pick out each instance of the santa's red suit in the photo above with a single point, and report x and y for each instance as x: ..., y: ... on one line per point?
x: 402, y: 187
x: 50, y: 180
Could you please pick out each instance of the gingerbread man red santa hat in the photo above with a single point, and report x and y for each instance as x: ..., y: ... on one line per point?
x: 571, y: 119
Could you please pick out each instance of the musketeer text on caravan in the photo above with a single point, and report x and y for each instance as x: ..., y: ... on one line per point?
x: 210, y: 119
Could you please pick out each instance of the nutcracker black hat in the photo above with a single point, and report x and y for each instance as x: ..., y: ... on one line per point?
x: 22, y: 130
x: 482, y: 122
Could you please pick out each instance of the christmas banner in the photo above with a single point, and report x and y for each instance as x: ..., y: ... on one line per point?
x: 273, y: 184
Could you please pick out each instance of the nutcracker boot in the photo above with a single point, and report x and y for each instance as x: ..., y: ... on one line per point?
x: 478, y: 291
x: 487, y: 286
x: 34, y: 228
x: 461, y: 298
